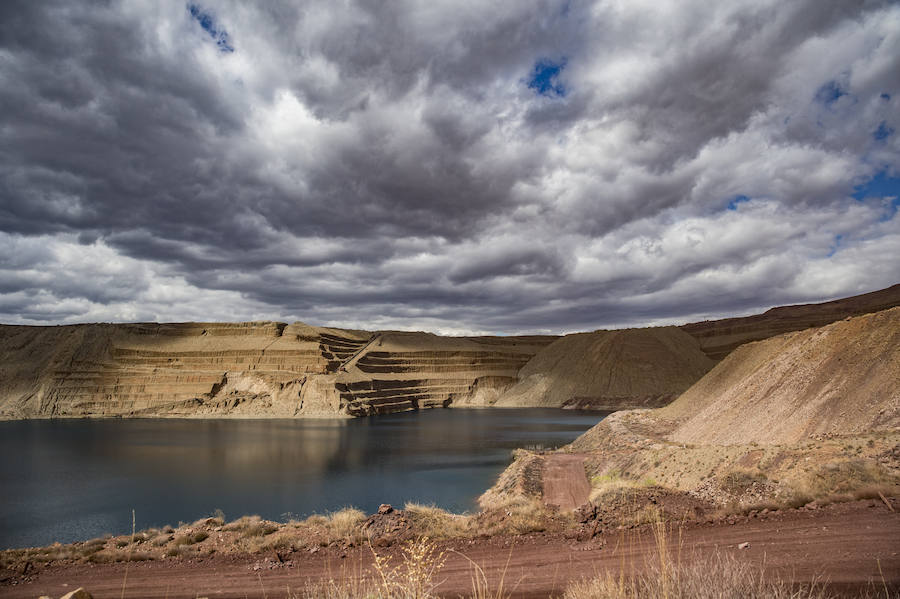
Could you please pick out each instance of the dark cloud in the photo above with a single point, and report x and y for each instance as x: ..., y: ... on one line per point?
x: 500, y: 168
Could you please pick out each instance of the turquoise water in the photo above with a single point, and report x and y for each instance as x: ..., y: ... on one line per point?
x: 68, y: 480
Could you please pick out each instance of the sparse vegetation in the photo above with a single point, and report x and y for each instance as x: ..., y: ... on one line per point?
x: 434, y: 522
x: 715, y: 578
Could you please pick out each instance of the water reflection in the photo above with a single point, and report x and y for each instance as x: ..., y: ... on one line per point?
x: 77, y: 479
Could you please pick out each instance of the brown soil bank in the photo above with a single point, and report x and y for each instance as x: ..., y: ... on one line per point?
x: 810, y: 415
x: 719, y: 337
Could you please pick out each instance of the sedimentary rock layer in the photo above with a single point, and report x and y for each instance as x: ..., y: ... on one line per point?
x: 257, y: 369
x: 270, y: 369
x: 420, y: 370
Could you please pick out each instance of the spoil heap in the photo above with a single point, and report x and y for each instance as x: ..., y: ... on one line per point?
x: 610, y: 370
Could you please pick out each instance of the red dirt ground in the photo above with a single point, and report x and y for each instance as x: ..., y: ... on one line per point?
x: 844, y: 544
x: 565, y: 483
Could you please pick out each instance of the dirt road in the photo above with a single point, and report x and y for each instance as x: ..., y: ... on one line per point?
x: 565, y: 483
x: 845, y: 544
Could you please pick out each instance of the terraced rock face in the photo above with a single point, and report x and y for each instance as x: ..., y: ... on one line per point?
x: 397, y: 372
x: 259, y: 369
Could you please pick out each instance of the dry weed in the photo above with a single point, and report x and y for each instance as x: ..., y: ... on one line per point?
x: 434, y: 522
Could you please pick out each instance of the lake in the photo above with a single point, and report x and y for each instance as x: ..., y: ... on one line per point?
x: 71, y: 480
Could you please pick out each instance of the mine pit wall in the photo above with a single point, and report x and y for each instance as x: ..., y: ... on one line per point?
x: 259, y: 369
x: 392, y: 376
x: 171, y: 370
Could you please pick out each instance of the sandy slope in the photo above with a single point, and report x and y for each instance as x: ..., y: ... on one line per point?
x: 810, y: 414
x: 610, y: 370
x: 841, y: 378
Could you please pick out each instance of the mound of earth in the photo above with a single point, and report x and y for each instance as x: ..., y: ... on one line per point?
x: 629, y: 507
x: 387, y: 526
x: 610, y: 370
x: 841, y: 378
x: 808, y: 415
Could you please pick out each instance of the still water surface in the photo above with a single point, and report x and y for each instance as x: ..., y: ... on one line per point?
x: 68, y: 480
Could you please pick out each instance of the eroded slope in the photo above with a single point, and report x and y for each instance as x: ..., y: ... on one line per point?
x: 610, y: 370
x: 841, y: 378
x: 806, y: 415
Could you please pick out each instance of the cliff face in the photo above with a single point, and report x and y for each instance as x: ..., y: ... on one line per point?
x: 841, y: 378
x: 245, y: 369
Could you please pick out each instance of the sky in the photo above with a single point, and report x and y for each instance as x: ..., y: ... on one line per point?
x: 461, y: 167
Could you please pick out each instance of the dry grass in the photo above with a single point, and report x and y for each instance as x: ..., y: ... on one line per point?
x: 434, y: 522
x: 845, y: 476
x: 345, y: 523
x: 720, y: 577
x: 412, y: 577
x: 518, y: 515
x: 666, y: 576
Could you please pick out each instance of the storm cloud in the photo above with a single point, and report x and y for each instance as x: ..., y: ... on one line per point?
x: 451, y: 166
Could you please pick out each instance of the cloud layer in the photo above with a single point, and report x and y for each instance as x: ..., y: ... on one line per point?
x: 457, y: 167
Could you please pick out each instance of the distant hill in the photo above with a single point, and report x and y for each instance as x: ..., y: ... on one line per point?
x: 719, y: 337
x: 649, y: 367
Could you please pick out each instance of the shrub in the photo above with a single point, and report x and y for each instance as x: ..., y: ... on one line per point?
x: 199, y: 536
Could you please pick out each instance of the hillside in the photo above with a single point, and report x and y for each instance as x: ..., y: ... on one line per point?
x: 807, y: 415
x: 719, y: 337
x: 271, y: 369
x: 841, y: 378
x: 610, y: 370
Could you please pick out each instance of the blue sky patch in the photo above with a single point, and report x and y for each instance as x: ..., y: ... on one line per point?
x: 881, y: 186
x: 545, y: 77
x: 829, y: 93
x: 835, y: 246
x: 206, y: 21
x: 883, y: 131
x: 733, y: 202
